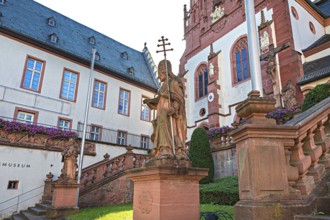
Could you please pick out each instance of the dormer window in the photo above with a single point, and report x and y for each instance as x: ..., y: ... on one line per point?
x: 124, y: 55
x: 97, y: 56
x: 92, y: 40
x: 54, y: 38
x: 52, y: 21
x: 131, y: 71
x: 2, y: 2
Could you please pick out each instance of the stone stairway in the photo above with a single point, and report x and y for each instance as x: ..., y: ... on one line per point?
x: 322, y: 206
x: 38, y: 212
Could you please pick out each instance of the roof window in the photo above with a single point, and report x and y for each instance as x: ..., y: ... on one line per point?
x: 124, y: 55
x: 52, y: 21
x: 53, y: 38
x: 92, y: 40
x: 97, y: 56
x: 131, y: 70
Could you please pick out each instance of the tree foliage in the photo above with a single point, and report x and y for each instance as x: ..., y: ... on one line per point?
x: 315, y: 95
x: 200, y: 153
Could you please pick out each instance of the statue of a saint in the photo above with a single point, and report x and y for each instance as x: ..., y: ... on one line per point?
x: 264, y: 40
x: 171, y: 116
x: 289, y: 95
x: 69, y: 157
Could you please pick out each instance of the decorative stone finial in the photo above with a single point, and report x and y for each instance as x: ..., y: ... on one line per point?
x: 106, y: 156
x: 129, y: 149
x: 49, y: 176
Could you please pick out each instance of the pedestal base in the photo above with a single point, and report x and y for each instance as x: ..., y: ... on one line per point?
x: 64, y: 200
x: 166, y: 192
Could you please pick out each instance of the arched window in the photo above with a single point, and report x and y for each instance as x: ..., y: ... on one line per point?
x: 240, y: 61
x: 201, y: 81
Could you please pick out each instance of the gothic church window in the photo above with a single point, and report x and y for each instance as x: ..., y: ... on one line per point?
x: 240, y: 61
x: 201, y: 81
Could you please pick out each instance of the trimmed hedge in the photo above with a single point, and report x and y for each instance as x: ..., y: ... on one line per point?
x: 200, y: 153
x: 317, y: 94
x: 223, y: 191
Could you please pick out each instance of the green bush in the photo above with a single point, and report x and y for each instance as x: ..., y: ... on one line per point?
x: 316, y: 95
x: 223, y: 191
x: 200, y: 153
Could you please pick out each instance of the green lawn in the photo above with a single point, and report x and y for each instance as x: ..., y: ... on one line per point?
x: 125, y: 212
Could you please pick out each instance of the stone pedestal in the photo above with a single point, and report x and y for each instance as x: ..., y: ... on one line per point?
x: 64, y: 199
x: 263, y: 169
x: 48, y: 189
x: 166, y: 192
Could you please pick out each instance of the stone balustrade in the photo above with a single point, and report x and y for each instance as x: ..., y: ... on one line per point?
x: 106, y: 168
x: 279, y: 166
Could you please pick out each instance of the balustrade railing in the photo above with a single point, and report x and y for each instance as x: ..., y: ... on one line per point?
x: 310, y: 151
x: 114, y: 137
x: 106, y: 168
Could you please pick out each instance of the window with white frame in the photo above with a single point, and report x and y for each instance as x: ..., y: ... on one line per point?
x: 33, y: 74
x: 54, y: 38
x: 25, y: 117
x: 99, y: 92
x: 96, y: 133
x: 144, y: 142
x: 145, y: 111
x: 121, y: 137
x: 124, y: 99
x: 52, y: 21
x: 69, y: 85
x: 64, y: 124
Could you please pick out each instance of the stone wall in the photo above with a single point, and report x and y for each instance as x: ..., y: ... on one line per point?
x: 118, y: 191
x: 224, y: 162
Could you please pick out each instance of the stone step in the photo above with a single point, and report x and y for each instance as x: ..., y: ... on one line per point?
x: 29, y: 216
x: 323, y: 205
x: 17, y: 217
x: 311, y: 217
x: 43, y: 206
x: 37, y: 211
x: 47, y: 202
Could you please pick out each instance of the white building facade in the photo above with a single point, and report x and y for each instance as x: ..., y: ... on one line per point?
x: 45, y: 61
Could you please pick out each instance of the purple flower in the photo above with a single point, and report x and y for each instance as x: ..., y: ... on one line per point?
x: 32, y: 129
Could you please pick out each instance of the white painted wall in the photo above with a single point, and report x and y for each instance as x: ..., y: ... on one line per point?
x: 302, y: 35
x: 30, y: 166
x: 48, y: 100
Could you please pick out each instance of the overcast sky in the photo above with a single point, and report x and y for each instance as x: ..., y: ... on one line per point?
x: 131, y: 22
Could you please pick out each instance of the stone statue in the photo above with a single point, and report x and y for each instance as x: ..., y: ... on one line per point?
x: 69, y: 157
x: 264, y: 40
x: 217, y: 13
x: 272, y: 69
x: 211, y: 67
x: 170, y: 105
x: 289, y: 95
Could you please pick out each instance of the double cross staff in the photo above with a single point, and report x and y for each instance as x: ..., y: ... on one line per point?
x: 164, y: 44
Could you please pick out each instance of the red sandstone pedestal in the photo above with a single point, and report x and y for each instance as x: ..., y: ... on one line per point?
x: 64, y: 199
x: 166, y: 192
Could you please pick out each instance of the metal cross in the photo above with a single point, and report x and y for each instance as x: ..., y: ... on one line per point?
x: 164, y: 44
